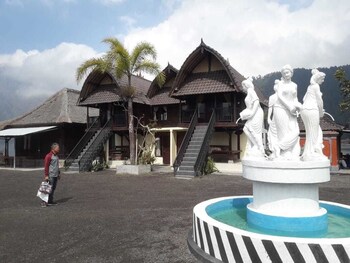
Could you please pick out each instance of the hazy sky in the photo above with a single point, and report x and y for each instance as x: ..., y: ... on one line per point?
x: 43, y: 41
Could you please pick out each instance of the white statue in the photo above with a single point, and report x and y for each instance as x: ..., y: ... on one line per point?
x: 285, y: 113
x: 311, y: 113
x: 255, y: 121
x: 272, y: 132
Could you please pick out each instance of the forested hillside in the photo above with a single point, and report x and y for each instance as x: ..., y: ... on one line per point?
x: 330, y: 88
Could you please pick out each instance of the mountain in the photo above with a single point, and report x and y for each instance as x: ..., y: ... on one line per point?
x: 330, y: 89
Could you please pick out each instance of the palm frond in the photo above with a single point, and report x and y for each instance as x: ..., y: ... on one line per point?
x: 151, y: 68
x: 99, y: 64
x: 142, y: 51
x: 118, y: 56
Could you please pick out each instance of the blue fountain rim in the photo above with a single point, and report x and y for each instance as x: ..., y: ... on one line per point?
x: 200, y: 212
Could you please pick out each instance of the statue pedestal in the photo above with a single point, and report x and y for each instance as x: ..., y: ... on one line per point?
x: 286, y: 195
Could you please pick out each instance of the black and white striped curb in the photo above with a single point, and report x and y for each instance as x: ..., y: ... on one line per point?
x: 243, y: 246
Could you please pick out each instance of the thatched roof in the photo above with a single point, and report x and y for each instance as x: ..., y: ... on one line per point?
x: 58, y: 109
x: 226, y: 80
x: 326, y: 123
x: 93, y: 92
x: 160, y: 95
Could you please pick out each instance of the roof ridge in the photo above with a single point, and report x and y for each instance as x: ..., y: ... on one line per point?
x: 64, y: 116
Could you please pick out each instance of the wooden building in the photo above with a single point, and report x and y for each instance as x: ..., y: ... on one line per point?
x: 205, y: 86
x: 58, y: 119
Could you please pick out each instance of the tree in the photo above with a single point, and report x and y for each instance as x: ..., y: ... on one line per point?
x: 142, y: 59
x: 344, y: 85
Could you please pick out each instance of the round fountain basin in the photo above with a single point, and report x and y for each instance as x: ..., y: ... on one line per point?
x: 221, y: 232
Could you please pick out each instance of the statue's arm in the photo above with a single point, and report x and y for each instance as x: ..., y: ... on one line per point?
x: 255, y: 107
x: 283, y: 100
x: 319, y: 99
x: 297, y: 104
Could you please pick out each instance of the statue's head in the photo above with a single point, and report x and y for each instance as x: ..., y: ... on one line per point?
x: 287, y: 72
x: 317, y: 77
x: 247, y: 84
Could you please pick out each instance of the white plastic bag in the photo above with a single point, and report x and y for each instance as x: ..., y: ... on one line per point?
x: 43, y: 196
x: 44, y: 191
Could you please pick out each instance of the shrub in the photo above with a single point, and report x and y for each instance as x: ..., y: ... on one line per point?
x: 147, y: 158
x: 98, y: 166
x: 210, y: 166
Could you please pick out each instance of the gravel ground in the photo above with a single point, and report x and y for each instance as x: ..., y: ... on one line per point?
x: 102, y: 217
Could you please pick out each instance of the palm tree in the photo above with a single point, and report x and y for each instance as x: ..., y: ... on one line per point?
x: 122, y: 62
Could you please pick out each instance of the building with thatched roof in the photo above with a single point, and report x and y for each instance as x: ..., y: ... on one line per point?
x: 58, y: 119
x: 206, y: 87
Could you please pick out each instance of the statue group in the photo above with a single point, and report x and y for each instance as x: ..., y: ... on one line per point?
x: 282, y: 118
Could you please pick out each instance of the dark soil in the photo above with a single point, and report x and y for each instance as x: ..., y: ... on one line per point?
x: 102, y: 217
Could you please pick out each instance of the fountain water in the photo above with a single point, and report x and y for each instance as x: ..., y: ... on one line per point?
x: 283, y: 221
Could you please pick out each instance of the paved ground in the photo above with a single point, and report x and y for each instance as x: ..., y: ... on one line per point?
x: 107, y: 218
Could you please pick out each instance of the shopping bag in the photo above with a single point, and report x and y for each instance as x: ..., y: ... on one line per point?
x: 45, y: 188
x: 42, y: 196
x: 44, y: 191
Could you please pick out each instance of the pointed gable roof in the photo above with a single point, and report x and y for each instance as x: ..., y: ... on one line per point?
x: 58, y: 109
x: 160, y: 95
x: 223, y: 81
x: 93, y: 93
x: 220, y: 81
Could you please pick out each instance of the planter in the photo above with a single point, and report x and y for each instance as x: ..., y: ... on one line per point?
x: 133, y: 169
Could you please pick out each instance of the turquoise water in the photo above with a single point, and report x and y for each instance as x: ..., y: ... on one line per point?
x: 235, y: 215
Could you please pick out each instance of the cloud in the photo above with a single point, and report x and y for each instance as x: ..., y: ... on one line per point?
x: 110, y: 2
x: 41, y: 73
x: 257, y: 36
x: 128, y: 21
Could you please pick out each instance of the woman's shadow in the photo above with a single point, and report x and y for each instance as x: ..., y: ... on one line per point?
x: 64, y: 200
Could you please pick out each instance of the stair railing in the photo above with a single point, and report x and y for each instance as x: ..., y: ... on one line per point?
x: 185, y: 141
x: 95, y: 147
x: 203, y: 152
x: 82, y: 143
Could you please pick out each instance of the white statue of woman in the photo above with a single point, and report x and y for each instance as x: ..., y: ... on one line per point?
x: 285, y: 112
x: 272, y: 132
x: 311, y: 113
x: 255, y: 121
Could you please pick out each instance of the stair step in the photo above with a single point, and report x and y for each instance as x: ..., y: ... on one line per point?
x: 189, y: 159
x: 189, y: 154
x: 193, y: 148
x: 193, y: 151
x: 198, y: 134
x: 184, y: 177
x: 192, y: 143
x: 186, y: 168
x: 187, y: 164
x: 196, y: 139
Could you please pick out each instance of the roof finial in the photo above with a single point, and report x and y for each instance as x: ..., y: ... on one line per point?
x: 202, y: 42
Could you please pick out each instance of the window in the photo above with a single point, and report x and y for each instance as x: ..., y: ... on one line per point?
x: 160, y: 113
x: 164, y: 113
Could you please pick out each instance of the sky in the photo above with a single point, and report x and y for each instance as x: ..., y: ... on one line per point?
x: 42, y: 42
